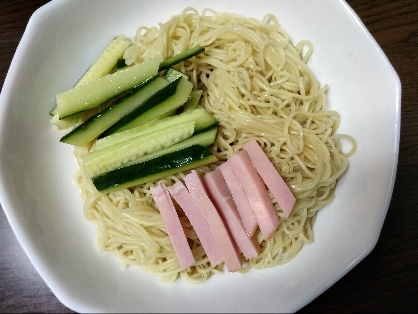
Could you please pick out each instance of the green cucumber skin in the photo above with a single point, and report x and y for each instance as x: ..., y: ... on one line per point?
x: 153, y: 169
x: 149, y: 110
x: 100, y: 122
x: 120, y: 64
x: 180, y: 57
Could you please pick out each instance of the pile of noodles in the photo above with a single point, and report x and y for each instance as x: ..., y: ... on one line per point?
x: 256, y: 84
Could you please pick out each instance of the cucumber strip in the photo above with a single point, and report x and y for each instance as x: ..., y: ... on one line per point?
x: 200, y: 117
x: 193, y: 101
x: 123, y: 153
x: 64, y: 124
x: 104, y: 62
x: 155, y: 107
x: 167, y: 114
x: 153, y: 169
x: 54, y: 111
x: 95, y: 93
x: 205, y: 138
x: 100, y: 122
x: 171, y: 74
x: 181, y: 57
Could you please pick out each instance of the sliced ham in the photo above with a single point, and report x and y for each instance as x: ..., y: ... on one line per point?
x: 182, y: 196
x: 174, y: 228
x: 243, y: 206
x: 195, y: 185
x: 256, y: 193
x: 270, y: 176
x: 221, y: 197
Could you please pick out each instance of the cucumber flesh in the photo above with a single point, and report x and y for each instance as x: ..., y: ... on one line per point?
x: 125, y: 152
x: 97, y: 92
x: 54, y: 111
x: 64, y: 124
x: 181, y: 57
x: 193, y: 100
x: 99, y: 123
x: 171, y: 74
x: 155, y: 107
x: 104, y: 62
x: 200, y: 117
x: 167, y: 114
x: 153, y: 169
x: 205, y: 138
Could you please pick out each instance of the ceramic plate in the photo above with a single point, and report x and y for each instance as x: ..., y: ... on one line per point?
x: 44, y: 208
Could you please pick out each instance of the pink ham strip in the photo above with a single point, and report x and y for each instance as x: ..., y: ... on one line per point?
x: 255, y: 192
x: 197, y: 189
x: 182, y: 196
x: 173, y: 225
x: 241, y: 201
x: 221, y: 197
x: 270, y: 176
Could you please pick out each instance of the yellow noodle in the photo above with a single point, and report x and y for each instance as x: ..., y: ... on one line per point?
x: 257, y: 84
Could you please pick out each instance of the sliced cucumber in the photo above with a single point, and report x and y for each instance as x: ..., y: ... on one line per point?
x: 104, y: 62
x: 155, y: 107
x: 125, y: 152
x: 171, y: 74
x: 54, y: 111
x: 181, y: 57
x: 200, y: 117
x: 193, y: 100
x: 153, y: 169
x: 97, y: 124
x: 67, y: 123
x: 95, y: 93
x: 205, y: 138
x: 167, y: 114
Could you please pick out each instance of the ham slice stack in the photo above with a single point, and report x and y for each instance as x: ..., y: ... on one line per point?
x: 226, y: 207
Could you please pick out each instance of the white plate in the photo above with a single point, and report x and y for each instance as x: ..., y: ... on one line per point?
x: 44, y: 208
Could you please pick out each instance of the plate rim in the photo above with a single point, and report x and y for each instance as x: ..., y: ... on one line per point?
x: 15, y: 224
